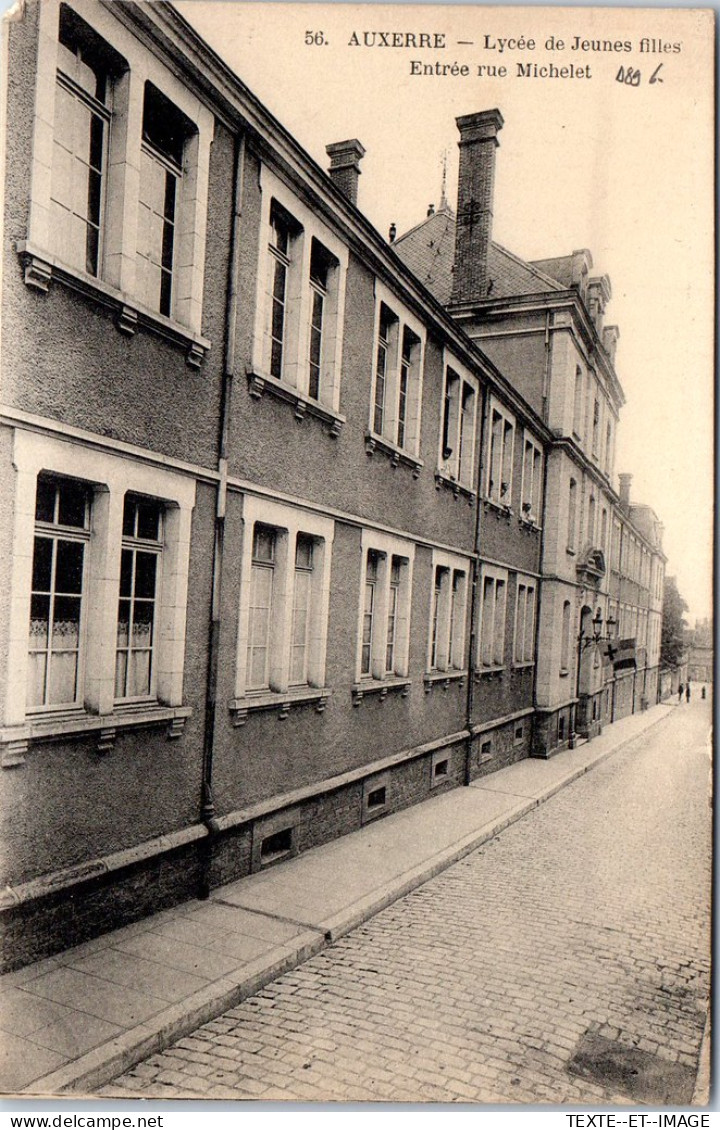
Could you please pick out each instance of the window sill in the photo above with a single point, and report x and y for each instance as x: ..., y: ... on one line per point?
x: 529, y: 523
x: 570, y: 551
x: 525, y: 666
x: 380, y: 687
x: 41, y: 269
x: 501, y: 508
x: 260, y: 383
x: 374, y: 442
x: 15, y: 740
x: 282, y: 701
x: 564, y: 672
x: 443, y: 679
x: 489, y: 672
x: 443, y: 480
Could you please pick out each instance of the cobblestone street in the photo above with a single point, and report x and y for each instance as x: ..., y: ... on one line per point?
x: 580, y: 933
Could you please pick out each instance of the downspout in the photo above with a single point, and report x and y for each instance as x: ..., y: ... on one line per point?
x: 207, y: 804
x: 472, y: 646
x: 541, y: 587
x: 547, y: 369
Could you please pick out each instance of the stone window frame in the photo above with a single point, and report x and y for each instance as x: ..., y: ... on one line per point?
x: 379, y: 679
x: 531, y: 489
x: 524, y: 629
x: 572, y: 514
x: 295, y: 381
x: 115, y: 285
x: 387, y: 440
x: 288, y: 522
x: 494, y: 490
x: 497, y: 628
x: 448, y: 622
x: 109, y: 478
x: 457, y: 464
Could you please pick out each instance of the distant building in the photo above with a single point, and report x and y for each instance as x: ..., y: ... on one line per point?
x: 700, y: 652
x: 298, y: 527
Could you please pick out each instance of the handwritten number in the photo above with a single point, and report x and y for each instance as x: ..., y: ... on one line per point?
x: 654, y: 75
x: 629, y: 76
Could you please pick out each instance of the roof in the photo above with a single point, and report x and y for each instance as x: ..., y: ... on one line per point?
x: 428, y: 250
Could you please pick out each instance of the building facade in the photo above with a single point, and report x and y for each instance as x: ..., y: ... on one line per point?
x: 267, y: 494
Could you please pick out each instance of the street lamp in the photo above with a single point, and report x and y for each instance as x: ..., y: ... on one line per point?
x: 590, y: 639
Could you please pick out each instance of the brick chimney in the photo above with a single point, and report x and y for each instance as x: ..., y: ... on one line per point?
x: 344, y: 171
x: 599, y: 293
x: 625, y: 481
x: 610, y: 336
x: 473, y: 226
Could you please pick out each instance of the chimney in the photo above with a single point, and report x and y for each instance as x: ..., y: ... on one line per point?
x: 581, y: 267
x: 599, y: 293
x: 610, y: 336
x: 625, y: 481
x: 473, y: 226
x: 344, y: 171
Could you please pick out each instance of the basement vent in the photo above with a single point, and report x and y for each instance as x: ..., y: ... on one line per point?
x: 377, y: 798
x: 279, y: 843
x: 442, y: 768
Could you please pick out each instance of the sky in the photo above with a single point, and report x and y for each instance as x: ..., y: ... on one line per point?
x: 623, y: 168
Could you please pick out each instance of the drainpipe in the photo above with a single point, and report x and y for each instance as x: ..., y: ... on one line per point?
x: 547, y: 368
x: 207, y: 804
x: 474, y: 597
x: 541, y: 588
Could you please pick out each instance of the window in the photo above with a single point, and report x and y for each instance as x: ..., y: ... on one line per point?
x: 62, y: 533
x: 322, y: 266
x: 596, y: 426
x: 572, y: 515
x: 397, y: 377
x: 297, y: 347
x: 603, y: 530
x: 579, y: 406
x: 565, y: 638
x: 384, y: 628
x: 492, y: 618
x: 524, y: 645
x: 262, y: 582
x: 137, y: 607
x: 532, y: 481
x: 448, y: 613
x: 608, y: 448
x: 591, y: 520
x: 457, y: 444
x: 284, y: 599
x: 500, y: 462
x: 278, y: 331
x: 83, y: 101
x: 120, y: 171
x: 98, y: 591
x: 165, y: 130
x: 302, y: 610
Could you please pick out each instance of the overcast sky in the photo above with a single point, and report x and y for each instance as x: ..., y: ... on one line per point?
x: 624, y: 170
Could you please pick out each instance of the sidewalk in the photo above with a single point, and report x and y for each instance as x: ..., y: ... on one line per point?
x: 74, y: 1021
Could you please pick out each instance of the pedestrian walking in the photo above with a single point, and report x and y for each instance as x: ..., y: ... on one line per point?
x: 681, y: 688
x: 687, y: 693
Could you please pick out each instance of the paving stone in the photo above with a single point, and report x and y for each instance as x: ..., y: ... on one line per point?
x: 589, y: 916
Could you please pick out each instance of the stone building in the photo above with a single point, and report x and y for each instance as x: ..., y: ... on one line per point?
x: 543, y: 325
x: 280, y: 517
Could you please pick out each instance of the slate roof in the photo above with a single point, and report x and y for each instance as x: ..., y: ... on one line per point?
x: 428, y: 250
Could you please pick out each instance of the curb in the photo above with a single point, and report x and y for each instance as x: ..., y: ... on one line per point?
x: 85, y: 1075
x: 701, y: 1093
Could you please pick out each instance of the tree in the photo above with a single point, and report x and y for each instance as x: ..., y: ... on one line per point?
x: 672, y: 640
